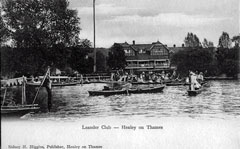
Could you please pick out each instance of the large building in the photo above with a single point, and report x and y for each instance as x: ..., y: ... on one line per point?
x: 147, y: 57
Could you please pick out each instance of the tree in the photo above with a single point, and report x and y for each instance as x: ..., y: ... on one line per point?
x: 101, y: 61
x: 4, y: 34
x: 80, y: 60
x: 236, y: 39
x: 192, y: 40
x: 35, y: 23
x: 228, y: 61
x: 85, y: 43
x: 117, y: 58
x: 41, y: 31
x: 207, y: 44
x: 224, y: 41
x: 193, y: 59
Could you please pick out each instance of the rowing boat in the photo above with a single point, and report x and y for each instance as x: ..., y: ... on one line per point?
x: 197, y: 91
x: 127, y: 91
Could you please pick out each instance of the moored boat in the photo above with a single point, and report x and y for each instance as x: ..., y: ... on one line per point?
x: 17, y: 110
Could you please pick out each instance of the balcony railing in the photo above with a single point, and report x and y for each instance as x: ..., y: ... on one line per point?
x: 148, y: 66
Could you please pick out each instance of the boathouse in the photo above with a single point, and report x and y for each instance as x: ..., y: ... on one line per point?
x: 153, y: 57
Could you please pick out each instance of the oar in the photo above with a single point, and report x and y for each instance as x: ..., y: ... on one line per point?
x: 40, y: 86
x: 4, y: 96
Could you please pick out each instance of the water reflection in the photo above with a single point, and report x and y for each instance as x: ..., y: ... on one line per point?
x: 220, y: 100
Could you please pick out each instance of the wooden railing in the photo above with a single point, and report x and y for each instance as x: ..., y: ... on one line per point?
x: 148, y: 66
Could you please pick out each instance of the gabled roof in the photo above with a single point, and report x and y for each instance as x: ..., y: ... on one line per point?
x: 139, y: 47
x: 144, y: 47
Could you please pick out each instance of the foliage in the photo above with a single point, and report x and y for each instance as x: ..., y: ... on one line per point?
x: 3, y: 31
x: 6, y: 61
x: 224, y: 41
x: 228, y: 60
x: 192, y: 40
x: 236, y: 39
x: 207, y: 44
x: 41, y: 23
x: 193, y: 59
x: 42, y: 32
x: 116, y: 59
x: 80, y: 61
x: 101, y: 61
x: 86, y: 43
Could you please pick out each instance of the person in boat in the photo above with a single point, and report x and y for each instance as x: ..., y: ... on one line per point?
x: 187, y: 81
x: 174, y: 75
x: 200, y: 77
x: 194, y: 83
x: 48, y: 85
x: 44, y: 97
x: 141, y: 78
x: 37, y: 80
x: 166, y: 76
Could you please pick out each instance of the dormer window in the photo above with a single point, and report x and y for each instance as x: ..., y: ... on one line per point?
x: 129, y: 52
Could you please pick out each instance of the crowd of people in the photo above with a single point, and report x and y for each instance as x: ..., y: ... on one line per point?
x: 145, y: 77
x: 194, y: 79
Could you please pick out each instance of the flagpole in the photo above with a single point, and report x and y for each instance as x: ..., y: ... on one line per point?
x: 94, y: 48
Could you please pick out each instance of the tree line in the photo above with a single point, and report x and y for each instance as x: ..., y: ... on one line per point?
x: 46, y: 33
x: 204, y: 57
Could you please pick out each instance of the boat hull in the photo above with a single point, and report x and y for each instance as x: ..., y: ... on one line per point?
x: 196, y: 92
x: 175, y: 84
x: 18, y: 111
x: 130, y: 91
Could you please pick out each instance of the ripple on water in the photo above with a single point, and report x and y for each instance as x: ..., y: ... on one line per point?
x: 221, y: 99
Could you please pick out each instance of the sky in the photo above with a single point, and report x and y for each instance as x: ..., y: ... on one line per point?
x: 147, y: 21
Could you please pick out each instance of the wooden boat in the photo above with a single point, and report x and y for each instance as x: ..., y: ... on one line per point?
x: 151, y: 82
x: 145, y: 83
x: 175, y: 83
x: 156, y: 89
x: 198, y: 91
x: 18, y: 110
x: 127, y: 91
x: 194, y: 92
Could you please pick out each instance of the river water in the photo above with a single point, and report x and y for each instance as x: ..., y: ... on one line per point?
x: 220, y: 100
x: 209, y: 120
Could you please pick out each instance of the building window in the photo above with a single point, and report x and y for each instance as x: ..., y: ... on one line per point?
x: 159, y: 51
x: 129, y: 52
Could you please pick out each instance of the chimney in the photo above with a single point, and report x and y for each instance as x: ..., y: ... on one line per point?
x: 133, y: 42
x: 174, y: 46
x: 183, y: 45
